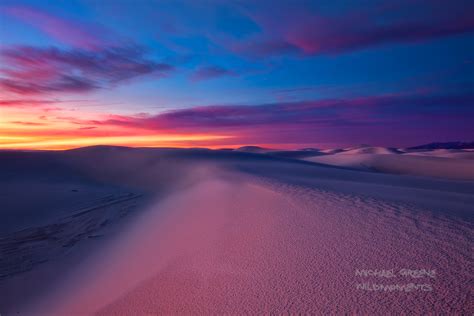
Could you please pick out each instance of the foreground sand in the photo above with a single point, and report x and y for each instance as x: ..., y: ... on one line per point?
x: 241, y: 233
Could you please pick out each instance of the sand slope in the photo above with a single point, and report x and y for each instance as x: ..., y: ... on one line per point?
x: 263, y: 247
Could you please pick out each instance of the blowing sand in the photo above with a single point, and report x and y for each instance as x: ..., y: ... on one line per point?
x: 245, y: 233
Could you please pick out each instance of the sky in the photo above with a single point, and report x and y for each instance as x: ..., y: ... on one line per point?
x: 211, y: 73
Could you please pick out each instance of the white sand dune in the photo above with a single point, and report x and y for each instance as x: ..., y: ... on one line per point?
x: 449, y: 166
x: 233, y: 232
x: 445, y: 153
x: 331, y: 151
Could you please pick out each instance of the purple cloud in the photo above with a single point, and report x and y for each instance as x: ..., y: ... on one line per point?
x: 305, y: 116
x: 359, y: 120
x: 34, y: 70
x: 311, y: 33
x: 383, y: 120
x: 211, y: 72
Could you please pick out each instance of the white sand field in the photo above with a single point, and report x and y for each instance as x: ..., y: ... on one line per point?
x: 167, y: 231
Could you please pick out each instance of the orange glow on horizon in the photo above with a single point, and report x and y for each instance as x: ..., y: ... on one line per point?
x: 61, y: 129
x: 33, y: 129
x: 62, y: 143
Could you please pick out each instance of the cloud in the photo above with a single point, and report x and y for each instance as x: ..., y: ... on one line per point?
x: 85, y: 36
x: 33, y: 70
x: 211, y: 72
x: 302, y: 116
x: 25, y: 102
x: 87, y: 127
x: 384, y: 119
x: 390, y: 119
x: 310, y: 32
x: 28, y: 123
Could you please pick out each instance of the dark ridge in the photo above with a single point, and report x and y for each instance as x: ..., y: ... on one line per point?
x: 252, y: 149
x: 446, y: 145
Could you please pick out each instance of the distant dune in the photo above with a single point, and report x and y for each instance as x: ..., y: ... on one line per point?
x: 442, y: 164
x: 254, y: 149
x: 446, y: 145
x: 136, y: 231
x: 332, y: 151
x: 371, y: 150
x: 444, y: 153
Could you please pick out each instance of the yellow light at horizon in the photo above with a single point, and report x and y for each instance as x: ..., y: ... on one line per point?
x: 6, y: 137
x: 72, y: 142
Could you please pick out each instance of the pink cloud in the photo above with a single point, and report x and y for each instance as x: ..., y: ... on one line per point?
x: 32, y: 70
x: 19, y: 103
x: 24, y: 123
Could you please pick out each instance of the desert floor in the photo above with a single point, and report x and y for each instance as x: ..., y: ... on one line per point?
x: 120, y: 231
